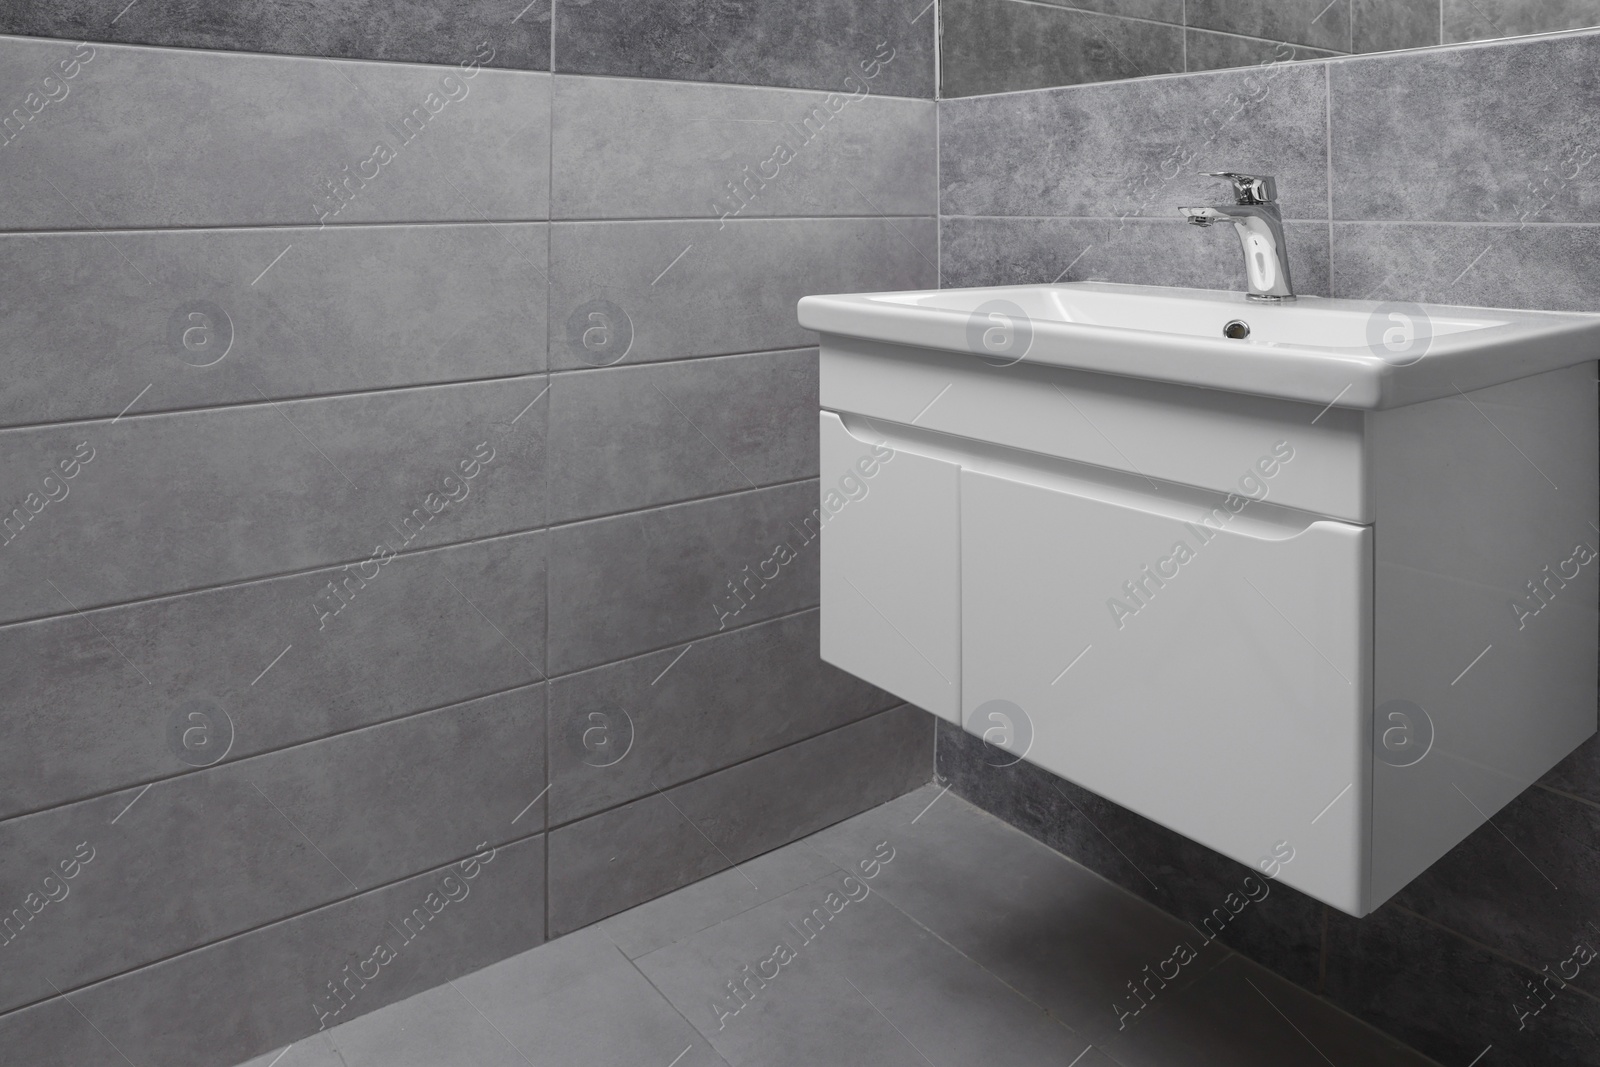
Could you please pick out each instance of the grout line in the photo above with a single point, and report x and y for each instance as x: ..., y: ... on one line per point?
x: 462, y: 223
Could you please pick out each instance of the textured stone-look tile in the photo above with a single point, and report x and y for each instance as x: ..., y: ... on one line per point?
x: 1204, y: 50
x: 53, y: 1034
x: 365, y: 29
x: 1553, y: 268
x: 890, y: 992
x: 816, y: 44
x: 1011, y: 251
x: 1389, y: 25
x: 162, y: 503
x: 628, y: 437
x: 646, y: 291
x: 995, y: 46
x: 191, y: 860
x: 660, y: 578
x: 1452, y: 999
x: 207, y: 317
x: 1317, y: 23
x: 621, y: 731
x: 1479, y: 20
x: 434, y: 628
x: 1154, y: 10
x: 628, y: 148
x: 1431, y: 136
x: 149, y: 137
x: 1137, y: 149
x: 613, y: 861
x: 1579, y: 774
x: 257, y: 992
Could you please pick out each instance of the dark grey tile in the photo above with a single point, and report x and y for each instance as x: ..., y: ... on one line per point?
x: 629, y: 437
x: 811, y: 45
x: 435, y: 628
x: 621, y: 731
x: 995, y: 46
x: 1205, y: 50
x: 1554, y: 268
x: 1317, y: 23
x: 253, y: 841
x: 627, y: 148
x: 659, y: 578
x: 364, y: 29
x: 1155, y: 10
x: 664, y: 290
x: 172, y: 502
x: 613, y: 861
x: 1137, y: 149
x: 1389, y: 25
x: 1431, y: 136
x: 118, y: 146
x: 1579, y: 774
x: 257, y: 992
x: 1478, y: 20
x: 1011, y: 251
x: 52, y: 1034
x: 205, y: 317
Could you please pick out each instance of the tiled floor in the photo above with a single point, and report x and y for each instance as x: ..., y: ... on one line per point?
x: 928, y: 936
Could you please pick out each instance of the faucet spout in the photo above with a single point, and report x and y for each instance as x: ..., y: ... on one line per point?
x: 1258, y: 221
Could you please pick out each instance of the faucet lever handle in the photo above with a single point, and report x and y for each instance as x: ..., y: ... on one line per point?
x: 1250, y: 188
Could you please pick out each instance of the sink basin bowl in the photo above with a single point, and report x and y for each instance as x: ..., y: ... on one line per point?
x: 1353, y: 353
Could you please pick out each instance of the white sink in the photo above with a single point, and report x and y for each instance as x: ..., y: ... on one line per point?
x: 1368, y: 354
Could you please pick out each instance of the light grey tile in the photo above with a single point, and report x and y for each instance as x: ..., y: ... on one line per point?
x: 1389, y: 25
x: 993, y: 46
x: 1142, y: 148
x: 1555, y: 268
x: 187, y: 861
x: 204, y: 317
x: 664, y: 290
x: 257, y: 992
x: 810, y: 45
x: 438, y: 1026
x: 1011, y: 251
x: 658, y: 578
x: 172, y: 502
x: 165, y: 137
x: 627, y: 148
x: 434, y: 628
x: 1204, y: 50
x: 1431, y: 136
x: 1478, y: 20
x: 1155, y: 10
x: 613, y: 861
x: 621, y: 731
x: 629, y: 437
x: 1317, y: 23
x: 362, y: 29
x: 685, y: 912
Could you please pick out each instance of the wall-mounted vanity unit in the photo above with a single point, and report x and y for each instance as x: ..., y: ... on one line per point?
x: 1319, y: 574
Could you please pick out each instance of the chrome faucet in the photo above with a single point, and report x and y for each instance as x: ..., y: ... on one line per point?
x: 1259, y: 221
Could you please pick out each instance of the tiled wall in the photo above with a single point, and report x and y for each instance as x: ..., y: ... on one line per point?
x: 992, y: 46
x: 1466, y: 175
x: 369, y: 508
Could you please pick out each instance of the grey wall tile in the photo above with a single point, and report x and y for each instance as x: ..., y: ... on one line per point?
x: 1555, y: 268
x: 1141, y: 148
x: 174, y: 1013
x: 622, y: 731
x: 1579, y: 774
x: 1387, y: 25
x: 172, y: 502
x: 1317, y: 23
x: 1012, y: 251
x: 118, y: 148
x: 617, y: 859
x: 647, y: 580
x: 1156, y: 10
x: 364, y: 29
x: 1477, y: 20
x: 1205, y: 50
x: 257, y: 840
x: 626, y: 148
x: 434, y: 628
x: 712, y: 288
x: 629, y: 437
x: 1433, y: 136
x: 212, y: 316
x: 811, y: 45
x: 994, y: 46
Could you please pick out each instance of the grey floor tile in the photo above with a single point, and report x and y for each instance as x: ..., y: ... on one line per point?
x: 1480, y: 20
x: 431, y: 1029
x: 629, y: 148
x: 54, y: 1034
x: 1317, y: 23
